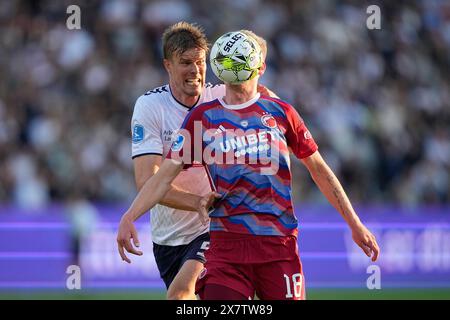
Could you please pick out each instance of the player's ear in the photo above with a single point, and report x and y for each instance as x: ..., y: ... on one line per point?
x: 167, y: 64
x: 262, y: 69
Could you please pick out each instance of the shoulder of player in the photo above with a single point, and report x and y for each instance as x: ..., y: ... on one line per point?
x: 273, y: 99
x: 152, y: 97
x: 197, y: 112
x: 213, y: 91
x: 283, y: 104
x: 158, y: 90
x: 286, y: 107
x: 209, y: 85
x: 205, y: 106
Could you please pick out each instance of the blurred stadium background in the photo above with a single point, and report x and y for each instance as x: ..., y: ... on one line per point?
x: 377, y: 102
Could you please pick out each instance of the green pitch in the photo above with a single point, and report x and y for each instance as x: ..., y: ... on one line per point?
x: 312, y: 294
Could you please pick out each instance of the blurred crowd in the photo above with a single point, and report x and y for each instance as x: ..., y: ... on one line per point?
x: 376, y: 101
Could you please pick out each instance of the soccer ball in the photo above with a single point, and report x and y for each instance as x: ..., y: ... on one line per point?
x: 235, y: 57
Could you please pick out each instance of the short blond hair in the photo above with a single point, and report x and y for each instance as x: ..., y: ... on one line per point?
x: 181, y: 37
x: 262, y: 43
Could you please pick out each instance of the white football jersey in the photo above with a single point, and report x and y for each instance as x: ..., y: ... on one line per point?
x: 156, y: 118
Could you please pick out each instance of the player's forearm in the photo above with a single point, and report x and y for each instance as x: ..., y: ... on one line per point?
x: 179, y: 199
x: 330, y: 186
x: 175, y: 198
x: 150, y: 194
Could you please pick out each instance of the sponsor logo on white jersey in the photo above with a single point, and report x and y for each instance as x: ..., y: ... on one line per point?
x: 138, y: 133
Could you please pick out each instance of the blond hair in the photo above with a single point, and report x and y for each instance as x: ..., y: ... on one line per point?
x: 262, y: 43
x: 181, y: 37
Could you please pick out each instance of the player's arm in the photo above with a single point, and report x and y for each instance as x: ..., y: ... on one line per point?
x: 330, y: 186
x: 150, y: 194
x: 146, y: 166
x: 153, y: 190
x: 302, y: 144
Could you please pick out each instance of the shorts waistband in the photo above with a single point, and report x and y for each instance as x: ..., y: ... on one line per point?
x: 224, y: 235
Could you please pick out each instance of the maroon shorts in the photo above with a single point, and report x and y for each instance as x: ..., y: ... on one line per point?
x: 266, y: 265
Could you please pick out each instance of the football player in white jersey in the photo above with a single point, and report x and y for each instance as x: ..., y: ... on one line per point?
x: 178, y: 235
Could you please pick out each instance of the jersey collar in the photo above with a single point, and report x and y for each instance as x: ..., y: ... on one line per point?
x: 181, y: 104
x: 240, y: 106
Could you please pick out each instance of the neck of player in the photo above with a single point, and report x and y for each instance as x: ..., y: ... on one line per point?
x: 241, y: 93
x: 189, y: 100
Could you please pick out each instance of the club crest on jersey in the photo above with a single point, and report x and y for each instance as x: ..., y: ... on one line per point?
x: 138, y: 133
x: 307, y: 135
x: 178, y: 143
x: 269, y: 121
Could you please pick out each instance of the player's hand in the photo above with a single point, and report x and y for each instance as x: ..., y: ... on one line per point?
x: 126, y: 232
x: 205, y: 204
x: 366, y: 241
x: 266, y: 91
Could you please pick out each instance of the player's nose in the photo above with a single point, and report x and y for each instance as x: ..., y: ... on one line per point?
x: 195, y: 69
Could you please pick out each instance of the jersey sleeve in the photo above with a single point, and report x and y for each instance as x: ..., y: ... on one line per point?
x: 218, y: 91
x: 298, y: 137
x: 187, y: 147
x: 145, y: 129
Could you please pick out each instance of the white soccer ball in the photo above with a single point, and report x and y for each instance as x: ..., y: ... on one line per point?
x: 235, y: 57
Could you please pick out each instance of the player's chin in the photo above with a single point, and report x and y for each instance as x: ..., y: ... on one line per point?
x: 194, y: 90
